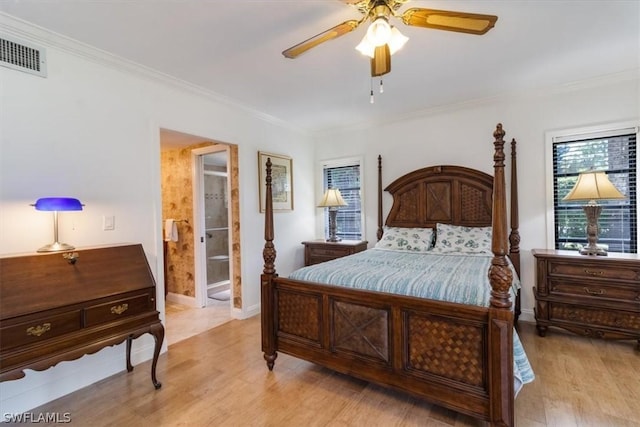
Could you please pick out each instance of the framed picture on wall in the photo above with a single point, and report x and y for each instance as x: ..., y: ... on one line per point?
x: 281, y: 181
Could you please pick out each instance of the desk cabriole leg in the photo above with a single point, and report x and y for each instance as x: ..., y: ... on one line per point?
x: 129, y: 365
x: 157, y: 331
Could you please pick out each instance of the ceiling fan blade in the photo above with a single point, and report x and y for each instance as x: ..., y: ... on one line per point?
x: 381, y: 61
x: 314, y: 41
x: 471, y: 23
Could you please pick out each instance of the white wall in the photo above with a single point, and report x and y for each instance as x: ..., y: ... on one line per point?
x: 91, y: 130
x: 463, y: 135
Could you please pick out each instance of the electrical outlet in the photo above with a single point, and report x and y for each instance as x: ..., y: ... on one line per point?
x: 108, y: 222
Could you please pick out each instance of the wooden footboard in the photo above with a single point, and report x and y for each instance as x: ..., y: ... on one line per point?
x: 455, y: 355
x: 443, y: 352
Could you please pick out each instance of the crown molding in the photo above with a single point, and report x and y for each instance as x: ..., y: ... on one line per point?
x: 35, y: 34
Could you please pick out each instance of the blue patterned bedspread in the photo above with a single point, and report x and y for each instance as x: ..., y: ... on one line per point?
x: 445, y: 277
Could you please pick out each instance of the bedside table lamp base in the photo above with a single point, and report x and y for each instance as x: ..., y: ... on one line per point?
x: 333, y: 212
x: 592, y: 211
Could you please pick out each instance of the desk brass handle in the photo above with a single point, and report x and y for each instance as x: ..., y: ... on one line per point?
x: 590, y: 292
x: 119, y: 309
x: 36, y: 331
x: 594, y: 273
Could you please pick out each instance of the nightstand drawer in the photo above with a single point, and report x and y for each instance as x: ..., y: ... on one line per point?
x: 318, y: 251
x: 117, y: 309
x: 39, y: 329
x: 595, y: 271
x: 619, y: 319
x: 594, y: 289
x: 334, y: 252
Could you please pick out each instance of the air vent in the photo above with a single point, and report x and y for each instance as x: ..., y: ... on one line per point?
x: 22, y: 57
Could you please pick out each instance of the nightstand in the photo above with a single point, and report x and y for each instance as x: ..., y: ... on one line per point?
x: 317, y: 251
x: 594, y: 296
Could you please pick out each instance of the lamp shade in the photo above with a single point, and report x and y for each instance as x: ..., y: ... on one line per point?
x: 379, y: 32
x: 396, y: 41
x: 593, y: 186
x: 332, y: 198
x: 58, y: 204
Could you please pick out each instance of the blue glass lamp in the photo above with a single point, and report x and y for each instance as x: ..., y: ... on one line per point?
x: 55, y: 205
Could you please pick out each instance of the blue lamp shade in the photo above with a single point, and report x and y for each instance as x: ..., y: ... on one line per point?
x: 55, y: 205
x: 58, y: 204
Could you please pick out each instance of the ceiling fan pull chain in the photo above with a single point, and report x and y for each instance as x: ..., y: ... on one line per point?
x: 381, y: 86
x: 371, y: 100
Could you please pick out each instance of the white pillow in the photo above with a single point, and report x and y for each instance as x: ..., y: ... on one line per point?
x: 460, y: 239
x: 406, y: 239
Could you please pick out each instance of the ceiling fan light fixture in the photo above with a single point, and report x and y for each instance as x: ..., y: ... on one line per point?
x: 379, y: 32
x: 396, y: 41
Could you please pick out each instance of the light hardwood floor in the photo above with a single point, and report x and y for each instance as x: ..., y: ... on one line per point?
x: 184, y: 322
x: 219, y: 378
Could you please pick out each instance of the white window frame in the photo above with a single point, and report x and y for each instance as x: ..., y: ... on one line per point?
x: 569, y: 134
x: 335, y: 163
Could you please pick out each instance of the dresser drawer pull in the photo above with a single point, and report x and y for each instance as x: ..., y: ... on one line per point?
x: 119, y: 309
x: 36, y: 331
x: 590, y: 292
x: 594, y: 273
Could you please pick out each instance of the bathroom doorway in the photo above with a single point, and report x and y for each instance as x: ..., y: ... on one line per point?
x: 188, y: 308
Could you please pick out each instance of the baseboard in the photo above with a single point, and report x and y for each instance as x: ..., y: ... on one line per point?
x: 254, y: 310
x: 527, y: 316
x: 182, y: 300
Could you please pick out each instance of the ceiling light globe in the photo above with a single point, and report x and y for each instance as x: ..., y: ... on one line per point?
x: 366, y: 48
x: 379, y: 32
x: 396, y: 41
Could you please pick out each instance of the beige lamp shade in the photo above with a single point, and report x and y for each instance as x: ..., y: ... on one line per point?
x: 332, y: 198
x: 593, y: 186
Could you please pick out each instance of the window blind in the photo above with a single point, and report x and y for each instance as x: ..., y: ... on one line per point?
x: 616, y: 156
x: 348, y: 220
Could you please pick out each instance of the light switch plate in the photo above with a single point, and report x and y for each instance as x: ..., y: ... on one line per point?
x: 108, y: 222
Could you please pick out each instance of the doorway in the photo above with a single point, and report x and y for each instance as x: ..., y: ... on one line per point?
x: 186, y: 162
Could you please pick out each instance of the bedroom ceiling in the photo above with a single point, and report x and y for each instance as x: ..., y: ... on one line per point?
x: 233, y: 48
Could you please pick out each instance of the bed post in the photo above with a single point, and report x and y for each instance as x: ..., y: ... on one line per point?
x: 500, y: 315
x: 514, y: 236
x: 379, y: 233
x: 266, y: 278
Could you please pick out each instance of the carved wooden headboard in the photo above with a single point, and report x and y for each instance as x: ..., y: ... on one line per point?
x: 445, y: 194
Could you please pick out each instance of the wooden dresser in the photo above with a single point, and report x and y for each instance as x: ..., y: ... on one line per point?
x: 61, y: 306
x: 317, y: 251
x: 595, y: 296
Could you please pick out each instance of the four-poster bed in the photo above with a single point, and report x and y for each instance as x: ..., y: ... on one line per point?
x: 460, y: 356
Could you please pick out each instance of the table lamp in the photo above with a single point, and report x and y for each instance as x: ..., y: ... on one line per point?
x: 56, y: 204
x: 332, y: 199
x: 593, y: 186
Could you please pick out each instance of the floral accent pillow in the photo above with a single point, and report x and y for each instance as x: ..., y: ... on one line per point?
x: 406, y: 239
x: 460, y: 239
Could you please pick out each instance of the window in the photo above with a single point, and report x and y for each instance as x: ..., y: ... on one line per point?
x: 346, y: 176
x: 614, y: 152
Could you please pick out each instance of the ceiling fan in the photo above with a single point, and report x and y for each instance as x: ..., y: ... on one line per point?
x: 383, y: 39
